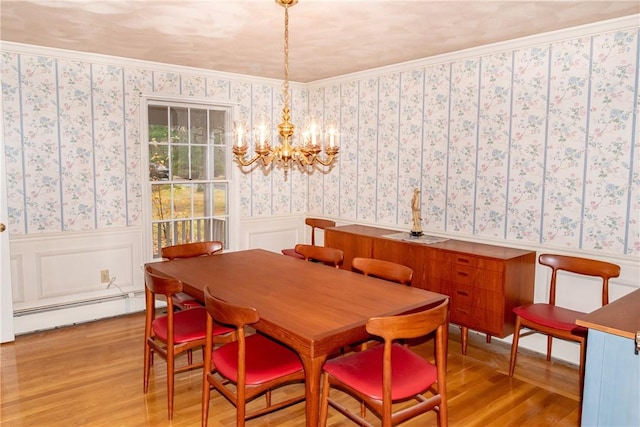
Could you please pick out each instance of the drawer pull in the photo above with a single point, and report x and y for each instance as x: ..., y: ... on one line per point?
x: 463, y: 260
x: 463, y: 274
x: 462, y: 311
x: 463, y: 293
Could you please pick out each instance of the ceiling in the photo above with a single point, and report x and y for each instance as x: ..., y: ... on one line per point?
x: 327, y: 38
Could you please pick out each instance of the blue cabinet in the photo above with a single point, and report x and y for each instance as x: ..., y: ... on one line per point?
x: 612, y: 371
x: 612, y: 381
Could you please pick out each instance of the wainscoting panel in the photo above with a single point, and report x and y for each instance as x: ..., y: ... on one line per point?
x: 17, y: 268
x: 274, y: 234
x: 56, y: 279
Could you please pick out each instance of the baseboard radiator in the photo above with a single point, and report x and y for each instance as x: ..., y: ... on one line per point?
x: 76, y: 304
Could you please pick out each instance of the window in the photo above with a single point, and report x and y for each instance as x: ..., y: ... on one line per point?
x: 188, y: 173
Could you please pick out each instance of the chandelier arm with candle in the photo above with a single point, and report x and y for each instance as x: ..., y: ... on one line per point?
x: 305, y: 155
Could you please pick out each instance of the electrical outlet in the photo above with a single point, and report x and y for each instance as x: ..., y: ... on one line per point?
x: 104, y: 276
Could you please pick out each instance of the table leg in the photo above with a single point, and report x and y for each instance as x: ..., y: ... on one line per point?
x: 313, y: 371
x: 464, y: 332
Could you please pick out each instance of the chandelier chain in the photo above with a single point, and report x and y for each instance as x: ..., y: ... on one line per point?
x: 286, y: 96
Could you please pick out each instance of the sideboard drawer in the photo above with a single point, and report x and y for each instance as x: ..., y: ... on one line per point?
x: 463, y: 259
x: 475, y: 308
x: 480, y: 278
x: 467, y: 296
x: 471, y: 316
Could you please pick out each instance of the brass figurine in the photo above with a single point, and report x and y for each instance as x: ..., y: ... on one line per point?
x: 416, y: 230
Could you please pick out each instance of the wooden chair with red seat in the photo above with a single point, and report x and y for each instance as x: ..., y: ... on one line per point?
x: 553, y: 320
x: 391, y: 373
x: 247, y: 368
x: 313, y: 223
x: 381, y: 269
x: 175, y: 333
x: 330, y: 256
x: 189, y: 250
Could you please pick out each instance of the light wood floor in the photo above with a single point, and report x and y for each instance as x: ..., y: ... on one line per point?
x: 91, y: 375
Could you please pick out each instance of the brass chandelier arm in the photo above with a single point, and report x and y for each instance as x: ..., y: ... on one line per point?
x: 327, y: 162
x: 266, y: 160
x: 240, y: 156
x: 309, y: 158
x: 243, y: 162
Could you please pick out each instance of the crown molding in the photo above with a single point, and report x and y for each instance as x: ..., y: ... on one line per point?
x: 100, y: 59
x: 619, y: 24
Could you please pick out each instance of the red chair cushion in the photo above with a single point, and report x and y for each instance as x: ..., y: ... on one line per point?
x: 189, y: 325
x: 552, y: 316
x: 411, y: 374
x: 265, y: 360
x: 292, y: 253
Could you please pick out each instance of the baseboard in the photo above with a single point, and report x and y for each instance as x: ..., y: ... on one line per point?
x: 78, y: 312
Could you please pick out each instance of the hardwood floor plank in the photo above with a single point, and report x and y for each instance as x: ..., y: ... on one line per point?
x: 91, y: 375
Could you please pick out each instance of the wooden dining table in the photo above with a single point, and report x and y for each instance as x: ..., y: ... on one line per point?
x: 314, y: 309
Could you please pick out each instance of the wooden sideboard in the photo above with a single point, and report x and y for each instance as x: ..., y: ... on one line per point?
x: 484, y: 282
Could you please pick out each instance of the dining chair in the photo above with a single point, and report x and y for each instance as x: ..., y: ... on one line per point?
x: 247, y: 368
x: 172, y: 334
x: 329, y: 256
x: 381, y: 269
x: 387, y: 374
x: 189, y: 250
x: 556, y: 321
x: 314, y: 223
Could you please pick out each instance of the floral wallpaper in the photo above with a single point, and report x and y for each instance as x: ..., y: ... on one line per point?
x: 536, y: 145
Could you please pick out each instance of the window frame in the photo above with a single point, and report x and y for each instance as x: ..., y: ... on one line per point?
x: 232, y: 177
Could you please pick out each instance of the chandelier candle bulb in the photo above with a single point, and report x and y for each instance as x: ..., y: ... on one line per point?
x: 239, y: 133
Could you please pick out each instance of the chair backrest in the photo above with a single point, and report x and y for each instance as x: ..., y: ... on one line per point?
x: 229, y: 314
x: 583, y: 266
x: 408, y: 326
x: 161, y: 285
x: 318, y: 223
x: 189, y: 250
x: 381, y: 269
x: 329, y: 256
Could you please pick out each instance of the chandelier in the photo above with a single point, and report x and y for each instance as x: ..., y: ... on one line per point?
x: 306, y: 154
